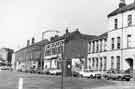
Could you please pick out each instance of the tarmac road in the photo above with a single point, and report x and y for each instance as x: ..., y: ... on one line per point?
x: 9, y: 80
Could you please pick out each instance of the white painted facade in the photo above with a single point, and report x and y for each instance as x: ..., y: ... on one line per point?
x: 126, y: 35
x: 51, y: 58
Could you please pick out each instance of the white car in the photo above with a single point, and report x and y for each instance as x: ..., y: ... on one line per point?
x: 85, y: 73
x: 55, y: 71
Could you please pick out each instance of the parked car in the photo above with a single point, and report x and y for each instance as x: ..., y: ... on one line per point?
x: 32, y: 71
x: 94, y: 74
x: 55, y: 71
x: 118, y: 76
x: 124, y: 76
x: 39, y: 71
x: 5, y: 68
x: 99, y: 75
x: 46, y: 71
x: 75, y: 73
x: 85, y: 73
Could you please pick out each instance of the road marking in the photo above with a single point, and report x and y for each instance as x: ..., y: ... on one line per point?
x: 20, y: 84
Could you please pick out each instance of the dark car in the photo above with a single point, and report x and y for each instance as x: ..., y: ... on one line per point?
x: 124, y: 76
x: 39, y: 71
x: 75, y: 73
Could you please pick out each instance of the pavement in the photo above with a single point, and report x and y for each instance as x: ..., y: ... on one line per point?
x: 119, y: 85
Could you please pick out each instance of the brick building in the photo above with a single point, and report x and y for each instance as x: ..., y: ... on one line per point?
x: 70, y: 46
x: 29, y: 56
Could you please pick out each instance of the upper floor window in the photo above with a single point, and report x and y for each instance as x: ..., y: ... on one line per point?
x: 105, y: 45
x: 89, y: 47
x: 129, y: 20
x: 118, y: 42
x: 100, y: 45
x: 128, y: 41
x: 115, y: 23
x: 97, y: 46
x: 112, y: 43
x: 93, y: 50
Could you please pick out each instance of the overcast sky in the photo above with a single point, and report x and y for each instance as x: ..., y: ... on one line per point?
x: 20, y: 20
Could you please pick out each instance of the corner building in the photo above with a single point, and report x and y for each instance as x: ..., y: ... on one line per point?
x: 115, y: 49
x: 70, y: 46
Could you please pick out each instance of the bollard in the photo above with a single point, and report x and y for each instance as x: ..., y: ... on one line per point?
x: 20, y: 84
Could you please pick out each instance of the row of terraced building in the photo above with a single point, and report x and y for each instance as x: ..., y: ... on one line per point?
x: 115, y: 49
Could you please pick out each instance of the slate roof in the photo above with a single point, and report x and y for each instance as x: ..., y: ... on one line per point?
x: 102, y: 36
x: 71, y: 35
x: 35, y: 45
x: 123, y: 9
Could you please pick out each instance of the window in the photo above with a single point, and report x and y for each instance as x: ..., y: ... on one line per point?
x: 97, y: 46
x: 101, y: 64
x: 128, y: 41
x: 62, y: 49
x: 100, y: 45
x: 48, y: 52
x: 93, y: 62
x: 97, y: 63
x: 89, y: 48
x: 118, y: 63
x: 53, y: 51
x: 112, y: 43
x: 89, y: 63
x: 112, y: 62
x: 129, y: 20
x: 105, y: 63
x: 93, y: 46
x: 115, y: 23
x: 105, y: 45
x: 118, y: 42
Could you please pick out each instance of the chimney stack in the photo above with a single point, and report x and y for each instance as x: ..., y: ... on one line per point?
x: 33, y: 40
x: 28, y: 43
x: 67, y: 31
x: 122, y: 3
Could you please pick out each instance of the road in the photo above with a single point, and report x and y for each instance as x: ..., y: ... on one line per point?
x: 9, y: 80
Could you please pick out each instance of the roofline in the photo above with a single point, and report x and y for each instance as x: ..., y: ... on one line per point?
x: 30, y: 46
x: 122, y: 10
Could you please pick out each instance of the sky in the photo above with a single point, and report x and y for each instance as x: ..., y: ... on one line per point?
x: 20, y: 20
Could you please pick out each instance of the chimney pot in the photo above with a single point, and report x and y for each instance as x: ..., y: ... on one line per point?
x: 33, y: 40
x: 67, y: 30
x: 122, y: 3
x: 28, y: 43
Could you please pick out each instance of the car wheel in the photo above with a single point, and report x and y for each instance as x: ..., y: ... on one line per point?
x: 81, y: 76
x: 107, y: 78
x: 91, y: 76
x: 127, y: 79
x: 119, y: 78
